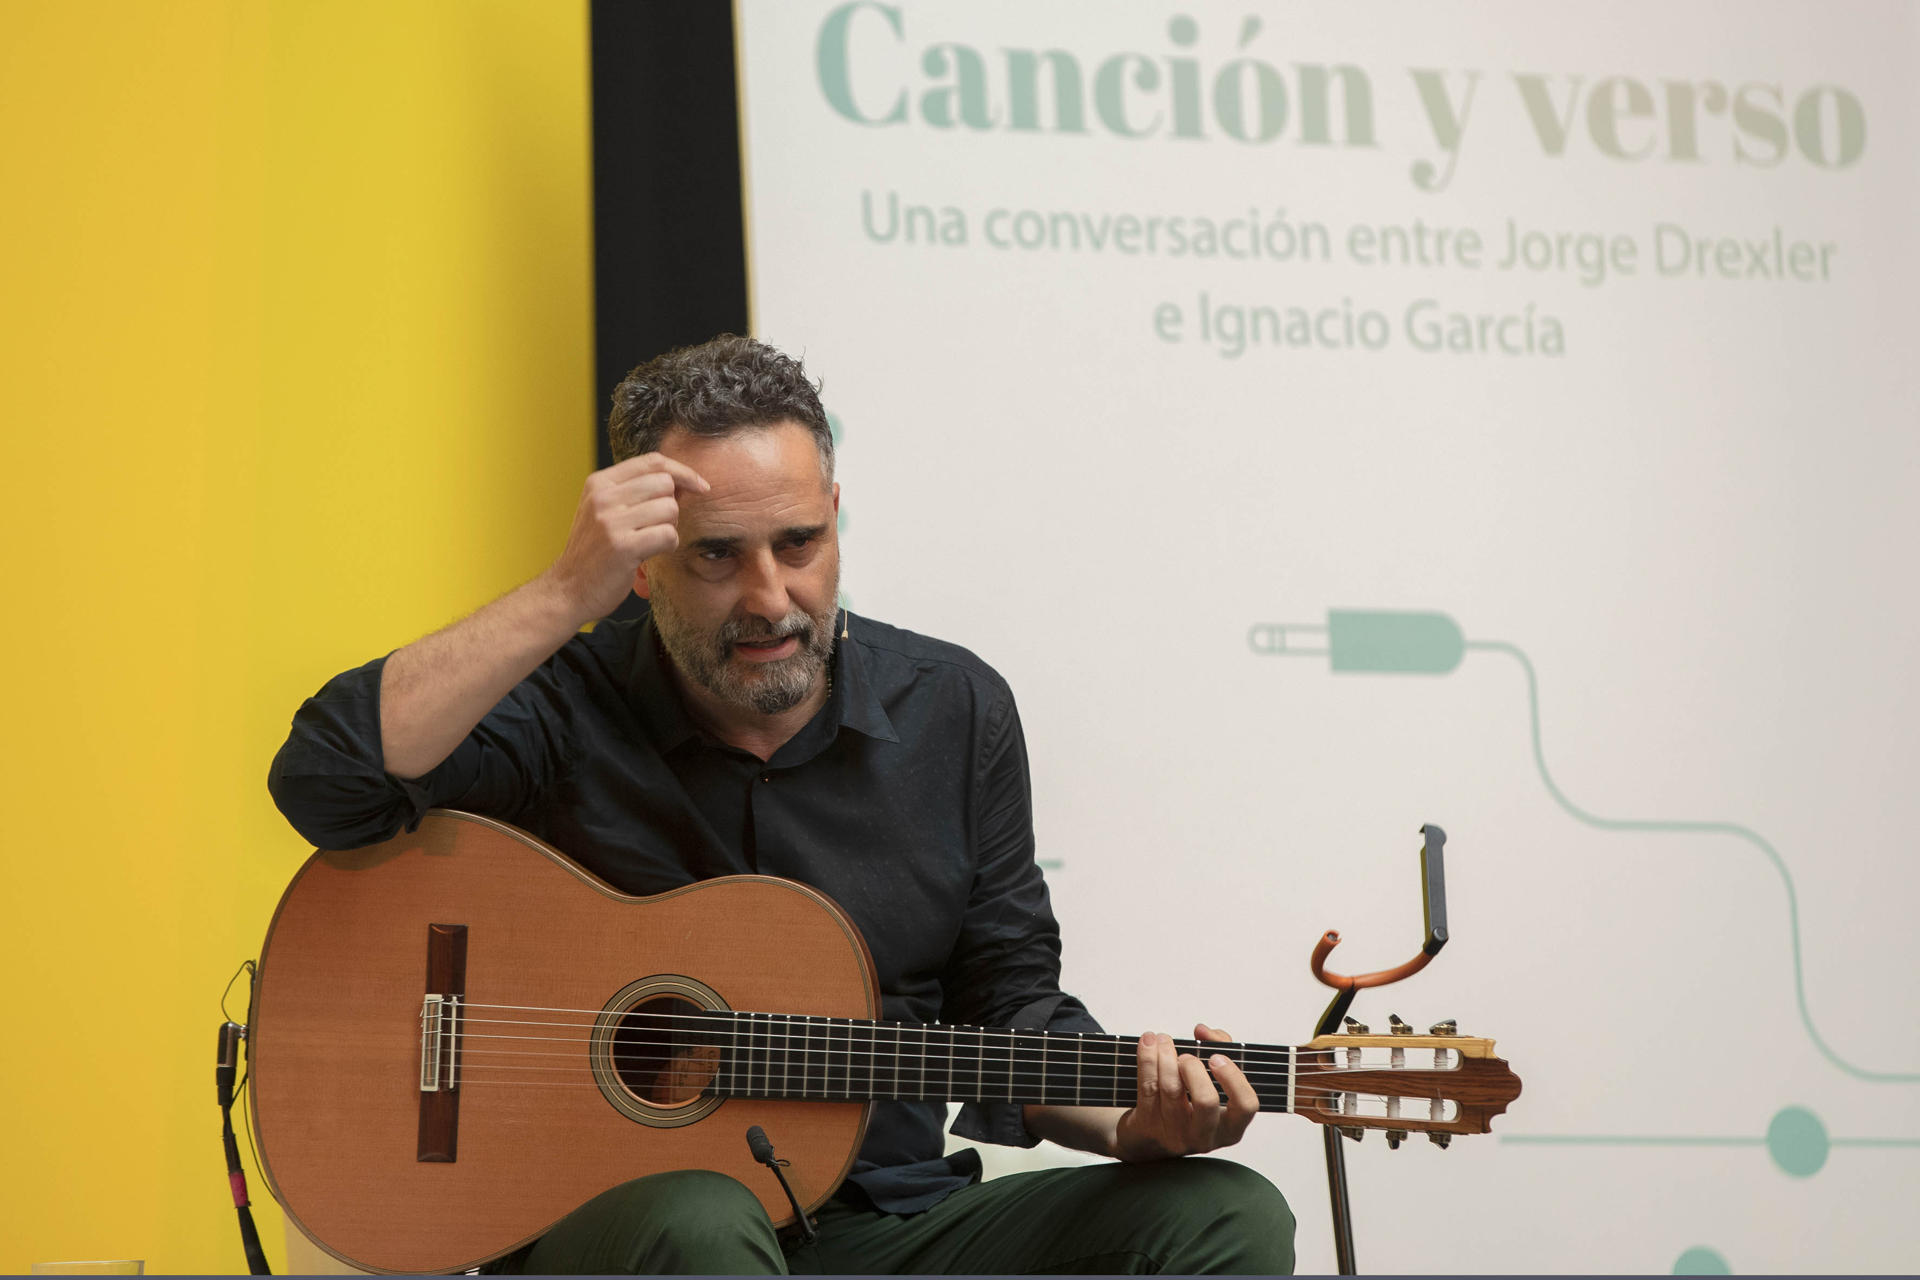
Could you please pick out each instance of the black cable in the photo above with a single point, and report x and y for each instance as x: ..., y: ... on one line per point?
x: 762, y: 1149
x: 225, y: 1066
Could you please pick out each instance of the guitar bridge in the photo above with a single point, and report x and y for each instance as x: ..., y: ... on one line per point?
x: 440, y: 1037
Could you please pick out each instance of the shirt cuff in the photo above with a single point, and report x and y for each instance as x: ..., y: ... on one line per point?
x: 1004, y: 1123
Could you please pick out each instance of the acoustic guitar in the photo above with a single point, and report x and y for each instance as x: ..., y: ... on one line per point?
x: 459, y: 1036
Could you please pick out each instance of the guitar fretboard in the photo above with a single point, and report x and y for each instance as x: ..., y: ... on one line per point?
x: 829, y: 1059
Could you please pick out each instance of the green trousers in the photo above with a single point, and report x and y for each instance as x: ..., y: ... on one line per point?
x: 1191, y: 1216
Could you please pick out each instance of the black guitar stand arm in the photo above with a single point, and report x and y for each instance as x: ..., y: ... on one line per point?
x: 1433, y: 890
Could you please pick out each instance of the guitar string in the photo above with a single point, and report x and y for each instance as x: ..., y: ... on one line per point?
x: 1253, y: 1059
x: 1049, y: 1095
x: 874, y: 1064
x: 804, y: 1025
x: 1262, y: 1067
x: 729, y: 1086
x: 731, y: 1073
x: 651, y: 1054
x: 1412, y: 1119
x: 736, y: 1024
x: 727, y: 1014
x: 1334, y: 1109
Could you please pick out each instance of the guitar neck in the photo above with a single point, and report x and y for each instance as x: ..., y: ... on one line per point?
x: 841, y: 1059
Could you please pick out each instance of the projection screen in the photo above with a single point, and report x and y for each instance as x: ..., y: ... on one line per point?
x: 1337, y: 418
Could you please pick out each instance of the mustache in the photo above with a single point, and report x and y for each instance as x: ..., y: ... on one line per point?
x: 796, y: 623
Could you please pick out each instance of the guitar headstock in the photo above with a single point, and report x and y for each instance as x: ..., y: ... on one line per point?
x: 1440, y: 1083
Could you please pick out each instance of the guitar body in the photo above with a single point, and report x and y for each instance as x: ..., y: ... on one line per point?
x: 366, y: 1160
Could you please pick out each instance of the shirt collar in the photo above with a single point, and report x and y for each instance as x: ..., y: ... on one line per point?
x: 851, y: 704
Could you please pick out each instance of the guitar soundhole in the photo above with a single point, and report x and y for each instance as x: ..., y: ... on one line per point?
x: 662, y: 1052
x: 656, y: 1050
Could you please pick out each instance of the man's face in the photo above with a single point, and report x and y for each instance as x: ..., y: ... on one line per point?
x: 745, y: 605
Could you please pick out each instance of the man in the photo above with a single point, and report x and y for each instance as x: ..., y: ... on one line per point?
x: 746, y: 724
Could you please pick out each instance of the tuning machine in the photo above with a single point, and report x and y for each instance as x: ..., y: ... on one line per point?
x: 1355, y: 1027
x: 1399, y: 1026
x: 1395, y: 1137
x: 1439, y: 1138
x: 1450, y: 1027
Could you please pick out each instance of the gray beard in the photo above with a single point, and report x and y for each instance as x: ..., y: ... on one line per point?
x: 779, y: 686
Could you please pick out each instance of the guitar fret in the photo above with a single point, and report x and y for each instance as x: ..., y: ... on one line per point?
x: 896, y: 1062
x: 846, y: 1087
x: 1079, y: 1066
x: 979, y: 1065
x: 765, y: 1057
x: 786, y: 1054
x: 1043, y: 1066
x: 811, y: 1090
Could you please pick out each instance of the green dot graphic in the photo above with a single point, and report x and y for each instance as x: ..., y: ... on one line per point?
x: 1701, y: 1261
x: 1797, y: 1141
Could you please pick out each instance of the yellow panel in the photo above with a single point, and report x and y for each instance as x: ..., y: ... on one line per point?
x: 296, y: 364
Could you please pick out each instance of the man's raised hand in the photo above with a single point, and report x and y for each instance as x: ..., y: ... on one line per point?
x: 1177, y: 1110
x: 626, y: 514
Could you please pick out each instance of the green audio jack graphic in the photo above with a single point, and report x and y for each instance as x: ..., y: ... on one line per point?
x: 1383, y: 641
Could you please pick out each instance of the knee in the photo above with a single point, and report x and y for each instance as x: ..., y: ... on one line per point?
x: 686, y: 1221
x: 1250, y: 1231
x: 685, y: 1195
x: 690, y: 1212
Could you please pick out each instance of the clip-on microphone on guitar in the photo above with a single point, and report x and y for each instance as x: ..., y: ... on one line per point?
x: 762, y: 1148
x: 226, y: 1062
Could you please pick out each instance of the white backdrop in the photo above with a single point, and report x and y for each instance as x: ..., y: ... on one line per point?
x: 1074, y: 442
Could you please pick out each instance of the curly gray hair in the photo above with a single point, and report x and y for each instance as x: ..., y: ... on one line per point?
x: 721, y: 386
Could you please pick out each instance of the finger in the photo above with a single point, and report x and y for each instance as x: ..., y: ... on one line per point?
x: 1204, y: 1109
x: 684, y: 476
x: 1201, y: 1031
x: 640, y: 488
x: 649, y: 515
x: 1146, y: 1059
x: 1173, y: 1091
x: 1243, y: 1104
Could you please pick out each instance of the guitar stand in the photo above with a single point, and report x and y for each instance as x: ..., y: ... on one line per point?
x: 1433, y: 891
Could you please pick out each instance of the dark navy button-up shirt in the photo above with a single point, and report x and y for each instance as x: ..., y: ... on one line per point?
x: 906, y: 799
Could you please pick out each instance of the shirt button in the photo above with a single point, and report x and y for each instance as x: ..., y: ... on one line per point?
x: 766, y: 777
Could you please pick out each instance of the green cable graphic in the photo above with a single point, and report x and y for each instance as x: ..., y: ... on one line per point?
x: 1428, y: 643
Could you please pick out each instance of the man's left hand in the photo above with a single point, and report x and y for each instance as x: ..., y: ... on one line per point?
x: 1178, y: 1111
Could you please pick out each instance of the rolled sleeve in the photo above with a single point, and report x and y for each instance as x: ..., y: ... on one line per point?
x: 329, y: 781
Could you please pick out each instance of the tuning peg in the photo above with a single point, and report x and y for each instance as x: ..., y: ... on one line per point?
x: 1399, y: 1026
x: 1448, y: 1028
x: 1355, y: 1027
x: 1439, y: 1138
x: 1394, y: 1138
x: 1353, y: 1131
